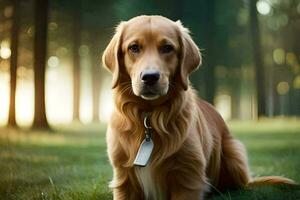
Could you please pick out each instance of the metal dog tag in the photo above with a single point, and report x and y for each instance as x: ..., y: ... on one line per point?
x: 144, y: 152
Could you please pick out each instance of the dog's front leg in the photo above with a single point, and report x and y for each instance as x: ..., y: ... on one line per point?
x: 125, y: 192
x: 183, y: 185
x: 120, y: 193
x: 186, y: 194
x: 123, y: 185
x: 188, y: 180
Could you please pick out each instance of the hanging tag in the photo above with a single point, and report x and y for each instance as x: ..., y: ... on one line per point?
x: 144, y: 153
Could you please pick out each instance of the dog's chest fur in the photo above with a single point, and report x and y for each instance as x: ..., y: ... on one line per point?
x: 147, y: 183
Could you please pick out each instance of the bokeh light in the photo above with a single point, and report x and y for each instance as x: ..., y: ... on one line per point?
x: 296, y: 82
x: 283, y: 20
x: 52, y: 26
x: 291, y: 58
x: 263, y: 7
x: 279, y: 56
x: 283, y: 88
x: 61, y: 51
x: 53, y: 61
x: 5, y: 51
x: 30, y: 31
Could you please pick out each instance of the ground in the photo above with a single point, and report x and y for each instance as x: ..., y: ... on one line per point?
x: 71, y: 163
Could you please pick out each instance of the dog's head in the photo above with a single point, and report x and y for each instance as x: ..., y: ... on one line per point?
x: 155, y: 52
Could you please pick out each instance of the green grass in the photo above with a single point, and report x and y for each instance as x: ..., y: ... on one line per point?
x: 67, y: 164
x: 273, y: 149
x: 71, y: 163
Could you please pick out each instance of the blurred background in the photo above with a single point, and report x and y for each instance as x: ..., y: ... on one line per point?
x: 55, y: 97
x: 251, y: 56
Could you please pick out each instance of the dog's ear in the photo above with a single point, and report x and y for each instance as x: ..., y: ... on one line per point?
x: 110, y: 57
x: 190, y: 57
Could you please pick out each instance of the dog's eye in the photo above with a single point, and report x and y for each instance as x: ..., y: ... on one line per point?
x: 167, y: 48
x: 135, y: 48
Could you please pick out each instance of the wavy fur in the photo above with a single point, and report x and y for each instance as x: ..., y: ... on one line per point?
x: 193, y: 149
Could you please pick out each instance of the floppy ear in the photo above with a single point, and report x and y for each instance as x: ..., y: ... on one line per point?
x: 110, y: 57
x: 190, y: 58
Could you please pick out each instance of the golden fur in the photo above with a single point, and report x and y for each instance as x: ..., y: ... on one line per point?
x: 193, y: 149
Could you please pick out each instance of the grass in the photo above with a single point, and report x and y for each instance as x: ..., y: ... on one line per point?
x: 68, y: 164
x: 273, y: 149
x: 71, y: 163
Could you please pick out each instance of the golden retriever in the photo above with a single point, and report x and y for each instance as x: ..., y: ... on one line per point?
x: 151, y: 58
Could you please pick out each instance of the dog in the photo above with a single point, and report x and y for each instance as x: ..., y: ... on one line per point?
x: 163, y: 141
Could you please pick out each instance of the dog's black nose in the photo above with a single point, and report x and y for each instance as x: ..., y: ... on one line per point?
x: 150, y: 78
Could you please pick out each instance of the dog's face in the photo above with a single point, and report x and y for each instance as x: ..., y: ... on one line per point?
x: 152, y: 50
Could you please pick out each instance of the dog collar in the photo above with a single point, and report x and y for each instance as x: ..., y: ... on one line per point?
x: 146, y: 147
x: 148, y: 128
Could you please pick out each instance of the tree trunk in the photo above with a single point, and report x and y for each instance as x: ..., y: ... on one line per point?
x: 76, y: 63
x: 14, y: 63
x: 258, y: 58
x: 40, y: 51
x: 96, y: 78
x: 210, y: 81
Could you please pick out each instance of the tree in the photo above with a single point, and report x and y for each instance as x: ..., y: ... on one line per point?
x: 96, y: 79
x: 14, y: 62
x: 76, y: 60
x: 259, y: 65
x: 40, y: 51
x: 210, y: 83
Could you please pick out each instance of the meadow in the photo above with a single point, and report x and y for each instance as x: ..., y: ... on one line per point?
x: 71, y: 161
